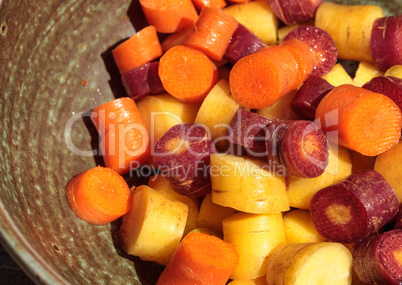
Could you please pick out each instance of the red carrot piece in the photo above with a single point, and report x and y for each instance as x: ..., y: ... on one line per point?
x: 242, y: 43
x: 359, y: 119
x: 212, y: 32
x: 187, y: 74
x: 354, y: 208
x: 141, y: 48
x: 310, y: 95
x: 377, y: 259
x: 200, y: 259
x: 385, y: 42
x: 143, y: 80
x: 248, y: 129
x: 99, y: 195
x: 389, y: 86
x: 299, y: 146
x: 325, y: 53
x: 398, y: 221
x: 169, y: 16
x: 294, y: 11
x: 183, y: 155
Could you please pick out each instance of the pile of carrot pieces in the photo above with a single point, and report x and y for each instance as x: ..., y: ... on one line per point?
x: 202, y: 62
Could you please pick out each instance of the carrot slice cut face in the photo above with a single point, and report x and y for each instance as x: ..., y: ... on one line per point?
x: 359, y: 119
x: 187, y: 73
x: 99, y: 195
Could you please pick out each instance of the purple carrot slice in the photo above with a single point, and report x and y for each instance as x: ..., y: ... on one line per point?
x: 248, y: 130
x: 398, y: 221
x: 377, y: 259
x: 322, y: 45
x: 309, y: 96
x: 387, y: 85
x: 273, y: 140
x: 299, y: 146
x: 143, y: 80
x: 354, y: 208
x: 294, y: 11
x: 305, y: 150
x: 242, y: 43
x: 386, y: 41
x: 182, y: 154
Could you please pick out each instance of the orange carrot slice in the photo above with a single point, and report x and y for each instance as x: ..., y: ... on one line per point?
x: 118, y: 111
x: 126, y: 147
x: 169, y: 16
x: 200, y: 259
x: 200, y: 4
x: 237, y: 1
x: 260, y: 79
x: 125, y: 143
x: 175, y: 39
x: 99, y: 195
x: 141, y: 48
x: 305, y: 63
x: 359, y: 119
x: 212, y: 32
x: 187, y: 74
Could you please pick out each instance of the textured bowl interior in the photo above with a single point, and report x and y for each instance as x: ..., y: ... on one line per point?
x: 56, y: 65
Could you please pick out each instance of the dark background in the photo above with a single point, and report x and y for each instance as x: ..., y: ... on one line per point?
x: 10, y: 272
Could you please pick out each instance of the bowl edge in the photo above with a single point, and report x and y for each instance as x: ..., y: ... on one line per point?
x: 29, y: 260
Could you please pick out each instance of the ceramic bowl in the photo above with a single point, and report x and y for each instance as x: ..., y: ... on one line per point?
x: 56, y: 65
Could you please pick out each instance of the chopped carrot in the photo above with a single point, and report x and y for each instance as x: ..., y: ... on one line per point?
x: 260, y: 79
x: 200, y: 259
x: 99, y: 195
x: 125, y: 142
x: 237, y: 1
x: 187, y: 74
x: 359, y: 119
x: 126, y: 147
x: 118, y: 111
x: 200, y: 4
x: 169, y: 16
x: 212, y: 32
x: 299, y: 50
x: 141, y: 48
x: 175, y: 39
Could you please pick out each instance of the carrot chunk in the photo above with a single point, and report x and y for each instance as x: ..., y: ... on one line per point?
x: 354, y: 208
x: 99, y: 195
x: 169, y: 16
x: 237, y: 1
x: 200, y: 4
x: 200, y: 259
x: 187, y: 73
x: 305, y: 64
x: 125, y: 142
x: 122, y: 110
x: 126, y: 147
x: 377, y: 259
x: 175, y: 39
x: 141, y: 48
x: 260, y: 79
x: 212, y: 32
x: 359, y: 119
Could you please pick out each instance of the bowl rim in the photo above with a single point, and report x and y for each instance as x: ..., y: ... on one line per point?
x: 27, y: 258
